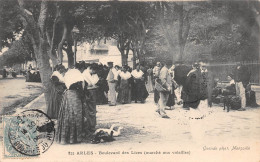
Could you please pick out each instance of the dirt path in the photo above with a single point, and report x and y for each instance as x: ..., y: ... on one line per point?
x: 17, y: 93
x: 144, y: 131
x: 142, y: 125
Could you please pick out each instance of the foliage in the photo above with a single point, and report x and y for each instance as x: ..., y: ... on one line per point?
x: 221, y: 30
x: 10, y: 23
x: 19, y: 52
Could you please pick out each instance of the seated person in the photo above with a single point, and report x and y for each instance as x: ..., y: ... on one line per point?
x: 216, y: 91
x: 250, y: 97
x: 231, y: 100
x: 231, y: 88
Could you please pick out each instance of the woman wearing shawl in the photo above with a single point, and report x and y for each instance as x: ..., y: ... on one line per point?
x: 193, y: 87
x: 139, y: 89
x: 58, y: 87
x: 102, y: 85
x: 70, y: 128
x: 124, y: 95
x: 90, y: 91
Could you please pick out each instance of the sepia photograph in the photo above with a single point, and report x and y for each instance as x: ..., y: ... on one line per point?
x: 130, y: 80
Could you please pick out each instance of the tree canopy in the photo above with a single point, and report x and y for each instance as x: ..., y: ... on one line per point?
x: 170, y: 30
x: 20, y: 51
x: 177, y: 31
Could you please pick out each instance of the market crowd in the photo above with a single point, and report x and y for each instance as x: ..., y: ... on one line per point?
x: 197, y: 88
x: 77, y: 91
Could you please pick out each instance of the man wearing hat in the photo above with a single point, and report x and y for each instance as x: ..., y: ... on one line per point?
x: 242, y: 78
x: 156, y: 73
x: 165, y: 78
x: 111, y: 80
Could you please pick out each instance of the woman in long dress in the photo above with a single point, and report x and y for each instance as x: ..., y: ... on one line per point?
x: 139, y: 89
x: 102, y: 85
x: 149, y: 84
x: 197, y: 97
x: 124, y: 95
x: 90, y: 91
x: 192, y: 87
x: 58, y: 87
x: 171, y: 100
x: 70, y: 126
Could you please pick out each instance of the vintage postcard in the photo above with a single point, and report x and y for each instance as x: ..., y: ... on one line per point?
x: 129, y: 80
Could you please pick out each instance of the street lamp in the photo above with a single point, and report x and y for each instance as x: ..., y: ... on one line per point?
x: 75, y: 32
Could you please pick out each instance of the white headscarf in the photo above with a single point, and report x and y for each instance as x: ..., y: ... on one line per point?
x: 125, y: 75
x: 137, y: 74
x: 90, y: 79
x: 73, y: 76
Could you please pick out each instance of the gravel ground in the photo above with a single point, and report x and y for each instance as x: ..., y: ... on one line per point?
x: 144, y: 131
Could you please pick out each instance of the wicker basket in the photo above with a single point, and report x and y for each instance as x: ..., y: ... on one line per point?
x: 159, y: 87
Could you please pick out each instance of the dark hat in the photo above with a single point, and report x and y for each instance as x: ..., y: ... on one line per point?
x: 81, y: 65
x: 61, y: 67
x: 110, y: 63
x: 178, y: 62
x: 231, y: 75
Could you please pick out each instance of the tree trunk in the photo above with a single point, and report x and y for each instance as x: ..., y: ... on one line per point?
x: 134, y: 58
x: 184, y: 28
x: 51, y: 51
x: 45, y: 68
x: 258, y: 22
x: 54, y: 58
x: 138, y: 54
x: 75, y: 51
x: 70, y: 56
x: 64, y: 37
x: 180, y: 32
x: 69, y: 51
x: 126, y: 55
x: 123, y: 58
x: 182, y: 46
x: 168, y: 31
x: 36, y: 32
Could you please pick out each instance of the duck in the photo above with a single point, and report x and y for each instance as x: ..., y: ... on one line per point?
x: 102, y: 136
x: 118, y: 132
x: 105, y: 129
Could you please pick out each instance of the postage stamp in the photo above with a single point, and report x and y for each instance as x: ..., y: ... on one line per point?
x: 27, y: 134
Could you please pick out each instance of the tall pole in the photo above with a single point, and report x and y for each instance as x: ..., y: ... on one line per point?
x: 75, y: 50
x: 75, y: 31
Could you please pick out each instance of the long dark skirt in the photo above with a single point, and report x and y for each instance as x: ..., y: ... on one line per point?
x: 156, y: 96
x: 251, y: 99
x: 192, y: 101
x: 124, y: 95
x: 101, y: 98
x: 55, y: 101
x: 139, y: 90
x: 171, y: 100
x: 184, y: 97
x: 70, y: 127
x: 102, y: 88
x: 90, y: 110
